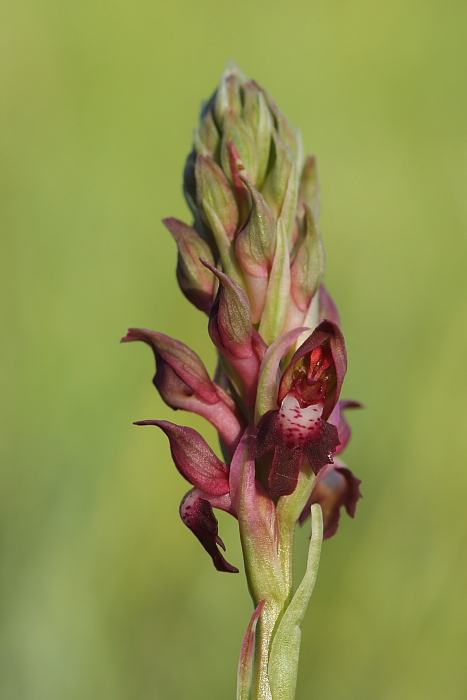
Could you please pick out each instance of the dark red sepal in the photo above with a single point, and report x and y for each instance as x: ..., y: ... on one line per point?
x: 194, y: 458
x: 197, y: 514
x: 174, y: 355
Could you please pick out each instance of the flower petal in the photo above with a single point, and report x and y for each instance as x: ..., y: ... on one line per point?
x: 319, y: 452
x: 285, y: 469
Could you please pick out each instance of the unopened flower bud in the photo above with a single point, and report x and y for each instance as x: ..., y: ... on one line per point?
x: 307, y: 269
x: 232, y: 332
x: 230, y: 324
x: 228, y: 98
x: 197, y: 284
x: 275, y: 308
x: 288, y: 134
x: 280, y: 188
x: 207, y: 137
x: 235, y: 130
x: 256, y: 113
x: 255, y: 248
x: 214, y: 193
x: 309, y: 187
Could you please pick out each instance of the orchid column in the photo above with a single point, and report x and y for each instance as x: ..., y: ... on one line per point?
x: 253, y: 261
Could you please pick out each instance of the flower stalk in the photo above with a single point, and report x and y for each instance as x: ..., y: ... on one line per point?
x: 253, y: 262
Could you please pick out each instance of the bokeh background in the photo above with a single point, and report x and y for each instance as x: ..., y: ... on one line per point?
x: 105, y: 595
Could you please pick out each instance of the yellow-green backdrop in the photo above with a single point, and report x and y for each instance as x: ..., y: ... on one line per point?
x: 105, y: 594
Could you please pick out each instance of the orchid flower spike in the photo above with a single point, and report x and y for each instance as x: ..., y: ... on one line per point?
x: 252, y: 259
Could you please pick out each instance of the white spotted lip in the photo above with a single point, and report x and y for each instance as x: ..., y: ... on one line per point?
x: 298, y: 425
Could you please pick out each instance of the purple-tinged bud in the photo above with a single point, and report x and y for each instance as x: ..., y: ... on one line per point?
x: 232, y: 332
x: 309, y: 191
x: 197, y: 514
x: 255, y: 248
x: 195, y: 281
x: 194, y: 458
x: 327, y: 307
x: 181, y: 359
x: 214, y: 193
x: 183, y: 383
x: 336, y: 487
x: 338, y: 419
x: 230, y: 325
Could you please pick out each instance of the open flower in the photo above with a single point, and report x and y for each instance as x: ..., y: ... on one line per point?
x: 308, y: 392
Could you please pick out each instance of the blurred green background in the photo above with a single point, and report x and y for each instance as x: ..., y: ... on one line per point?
x: 104, y: 594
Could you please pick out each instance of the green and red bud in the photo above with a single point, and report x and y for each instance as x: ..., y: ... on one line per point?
x: 280, y: 188
x: 306, y: 270
x: 206, y: 137
x: 231, y: 330
x: 309, y: 191
x: 195, y: 281
x: 236, y: 131
x: 256, y: 113
x: 214, y: 193
x: 255, y: 247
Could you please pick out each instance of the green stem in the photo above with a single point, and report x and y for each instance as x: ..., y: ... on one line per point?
x: 285, y: 646
x: 260, y: 683
x: 275, y: 610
